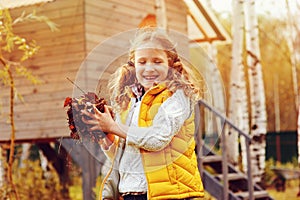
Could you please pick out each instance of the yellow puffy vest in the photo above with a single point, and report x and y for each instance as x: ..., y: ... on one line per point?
x: 171, y: 173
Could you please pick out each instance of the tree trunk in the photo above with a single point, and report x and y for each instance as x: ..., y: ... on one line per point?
x: 161, y: 14
x: 238, y: 105
x: 293, y: 44
x: 44, y: 161
x: 257, y: 92
x: 216, y: 87
x: 4, y: 159
x: 24, y: 154
x: 2, y: 169
x: 298, y: 130
x: 59, y: 162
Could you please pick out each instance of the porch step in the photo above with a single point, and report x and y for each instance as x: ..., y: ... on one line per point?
x: 212, y: 167
x: 232, y: 176
x: 257, y: 195
x: 211, y: 159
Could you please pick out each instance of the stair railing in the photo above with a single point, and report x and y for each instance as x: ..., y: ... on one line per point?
x: 226, y: 121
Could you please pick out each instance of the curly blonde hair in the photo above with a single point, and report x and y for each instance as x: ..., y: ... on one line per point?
x: 125, y: 77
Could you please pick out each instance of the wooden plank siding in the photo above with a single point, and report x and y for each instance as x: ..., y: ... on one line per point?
x: 81, y: 51
x: 42, y: 114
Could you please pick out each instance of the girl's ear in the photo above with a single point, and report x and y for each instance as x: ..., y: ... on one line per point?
x: 130, y: 63
x: 170, y: 61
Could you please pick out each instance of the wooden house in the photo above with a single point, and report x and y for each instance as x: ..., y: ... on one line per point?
x: 91, y: 34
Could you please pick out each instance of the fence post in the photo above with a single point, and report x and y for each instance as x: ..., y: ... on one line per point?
x: 224, y: 162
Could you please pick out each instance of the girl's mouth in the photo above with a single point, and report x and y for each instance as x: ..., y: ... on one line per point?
x: 150, y: 78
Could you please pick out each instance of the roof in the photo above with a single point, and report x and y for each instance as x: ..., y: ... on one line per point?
x: 7, y: 4
x: 203, y: 25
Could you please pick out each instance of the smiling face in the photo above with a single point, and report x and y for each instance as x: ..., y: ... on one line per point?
x: 151, y: 66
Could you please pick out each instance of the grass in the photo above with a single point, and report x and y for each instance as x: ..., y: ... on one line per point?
x: 75, y: 192
x: 290, y: 193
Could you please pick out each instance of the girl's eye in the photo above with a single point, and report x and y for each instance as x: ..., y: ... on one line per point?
x: 157, y: 61
x: 141, y: 62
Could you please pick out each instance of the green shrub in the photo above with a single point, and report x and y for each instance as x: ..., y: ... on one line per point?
x: 33, y: 183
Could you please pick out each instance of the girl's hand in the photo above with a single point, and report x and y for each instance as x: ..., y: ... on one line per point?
x: 105, y: 122
x: 99, y: 121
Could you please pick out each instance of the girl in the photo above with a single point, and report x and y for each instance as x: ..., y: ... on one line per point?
x: 151, y: 141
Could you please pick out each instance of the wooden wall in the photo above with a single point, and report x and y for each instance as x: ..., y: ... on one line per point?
x: 42, y: 114
x: 93, y: 34
x: 110, y: 25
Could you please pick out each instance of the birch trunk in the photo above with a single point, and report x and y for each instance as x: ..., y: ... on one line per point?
x: 2, y: 174
x: 238, y: 105
x: 25, y: 154
x: 298, y: 135
x: 293, y: 43
x: 216, y: 87
x: 3, y: 162
x: 293, y: 35
x: 161, y: 14
x: 257, y: 92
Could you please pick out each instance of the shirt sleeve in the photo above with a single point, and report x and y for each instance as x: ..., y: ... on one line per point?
x: 110, y: 151
x: 166, y: 123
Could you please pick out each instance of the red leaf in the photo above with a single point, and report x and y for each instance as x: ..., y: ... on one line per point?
x: 68, y: 101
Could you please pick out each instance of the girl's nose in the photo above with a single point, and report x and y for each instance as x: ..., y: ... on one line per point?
x: 149, y: 67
